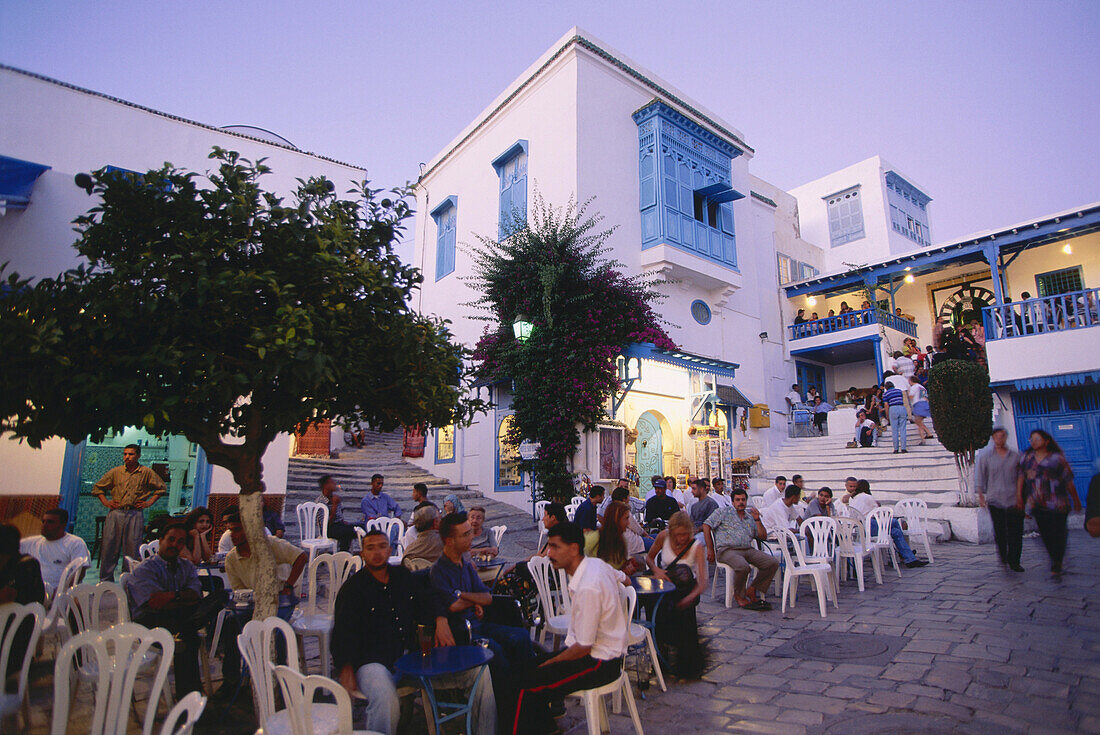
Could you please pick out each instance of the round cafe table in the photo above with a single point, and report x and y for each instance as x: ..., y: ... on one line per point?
x: 441, y: 662
x: 651, y: 591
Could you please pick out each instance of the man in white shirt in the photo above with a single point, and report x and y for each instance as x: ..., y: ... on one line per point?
x: 858, y: 497
x: 782, y: 513
x: 720, y: 495
x: 595, y: 643
x: 793, y: 398
x: 55, y: 548
x: 775, y: 492
x: 904, y: 366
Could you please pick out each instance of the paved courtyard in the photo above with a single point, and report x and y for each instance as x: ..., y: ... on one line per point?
x: 956, y: 647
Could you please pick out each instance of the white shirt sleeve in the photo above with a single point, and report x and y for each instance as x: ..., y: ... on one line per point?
x: 225, y: 543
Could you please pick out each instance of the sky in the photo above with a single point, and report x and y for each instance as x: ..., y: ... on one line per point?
x: 993, y: 108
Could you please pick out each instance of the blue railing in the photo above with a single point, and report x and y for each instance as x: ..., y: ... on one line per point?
x: 1058, y: 313
x: 851, y: 320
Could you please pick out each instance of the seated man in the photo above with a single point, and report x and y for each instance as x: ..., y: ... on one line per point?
x: 377, y: 504
x: 427, y: 545
x: 460, y: 591
x: 420, y: 496
x: 585, y: 515
x: 20, y: 574
x: 55, y: 548
x: 375, y: 622
x: 225, y: 543
x: 821, y: 414
x: 865, y: 429
x: 595, y: 643
x: 703, y: 506
x: 776, y: 491
x: 164, y: 592
x: 720, y: 496
x: 860, y: 503
x: 240, y: 568
x: 481, y: 542
x: 729, y: 534
x: 783, y: 513
x: 338, y: 529
x: 660, y: 506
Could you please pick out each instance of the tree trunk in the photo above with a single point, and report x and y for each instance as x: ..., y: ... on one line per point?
x: 964, y: 463
x: 266, y: 592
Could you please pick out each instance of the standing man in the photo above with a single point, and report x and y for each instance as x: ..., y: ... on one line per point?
x: 729, y: 533
x: 595, y: 643
x: 896, y: 399
x: 378, y: 504
x: 133, y: 487
x: 55, y: 548
x: 375, y: 621
x: 793, y: 398
x: 995, y: 470
x: 342, y: 532
x: 586, y: 513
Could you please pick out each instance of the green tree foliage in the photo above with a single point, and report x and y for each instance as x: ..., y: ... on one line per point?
x: 962, y: 412
x: 211, y: 308
x: 553, y: 269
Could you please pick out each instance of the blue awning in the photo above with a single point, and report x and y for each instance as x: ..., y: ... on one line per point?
x: 1067, y: 380
x: 17, y: 178
x: 684, y: 360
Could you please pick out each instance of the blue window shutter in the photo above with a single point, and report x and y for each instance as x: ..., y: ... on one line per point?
x: 446, y: 222
x: 519, y: 195
x: 505, y: 210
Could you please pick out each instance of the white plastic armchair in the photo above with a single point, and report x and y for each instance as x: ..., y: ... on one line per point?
x: 316, y: 619
x: 183, y: 717
x: 637, y: 634
x: 116, y: 656
x: 303, y: 715
x: 313, y: 527
x: 915, y: 513
x: 540, y: 506
x: 555, y: 618
x: 878, y: 537
x: 146, y: 551
x: 60, y: 597
x: 820, y: 573
x: 851, y: 545
x: 14, y: 620
x: 498, y: 534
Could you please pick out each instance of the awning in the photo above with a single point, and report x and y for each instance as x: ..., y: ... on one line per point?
x: 683, y: 360
x: 1067, y: 380
x: 17, y: 178
x: 730, y: 396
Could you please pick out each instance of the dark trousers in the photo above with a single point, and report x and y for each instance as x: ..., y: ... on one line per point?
x: 1008, y: 532
x: 819, y: 420
x: 514, y: 654
x: 342, y: 533
x: 185, y: 623
x: 1053, y: 532
x: 547, y: 683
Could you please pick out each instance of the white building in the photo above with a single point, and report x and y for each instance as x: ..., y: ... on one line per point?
x: 739, y: 257
x: 49, y: 132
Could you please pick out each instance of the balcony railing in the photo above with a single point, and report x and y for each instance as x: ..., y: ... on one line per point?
x: 1058, y: 313
x: 851, y: 320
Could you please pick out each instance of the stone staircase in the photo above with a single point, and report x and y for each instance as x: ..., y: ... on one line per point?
x: 926, y: 472
x: 353, y: 468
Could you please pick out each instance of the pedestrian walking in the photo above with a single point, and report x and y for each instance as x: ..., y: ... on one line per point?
x: 1045, y: 485
x: 918, y: 399
x: 133, y: 487
x: 895, y: 399
x: 995, y: 470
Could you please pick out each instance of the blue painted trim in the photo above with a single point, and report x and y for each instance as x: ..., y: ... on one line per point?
x: 851, y: 320
x: 204, y: 471
x: 868, y: 338
x: 454, y: 447
x: 520, y: 146
x: 900, y: 184
x: 710, y: 315
x: 70, y: 479
x: 1075, y: 310
x: 1066, y: 380
x: 684, y: 360
x: 498, y: 419
x: 878, y: 357
x: 657, y: 108
x: 1080, y: 275
x: 445, y: 239
x: 451, y: 201
x: 822, y: 389
x: 17, y: 178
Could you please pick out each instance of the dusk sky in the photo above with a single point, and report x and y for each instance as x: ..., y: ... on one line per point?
x: 992, y: 107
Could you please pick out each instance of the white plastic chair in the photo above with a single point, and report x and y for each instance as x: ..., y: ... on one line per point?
x: 570, y: 511
x: 386, y: 526
x: 555, y: 619
x: 116, y: 656
x: 303, y: 715
x: 540, y: 507
x: 60, y: 597
x: 915, y: 513
x: 880, y: 540
x: 595, y: 711
x: 498, y: 534
x: 822, y: 530
x: 313, y: 526
x: 148, y: 550
x: 638, y: 634
x: 543, y: 534
x: 820, y: 573
x: 316, y: 619
x: 851, y: 543
x: 181, y: 720
x: 758, y: 502
x: 256, y: 642
x: 13, y: 617
x: 129, y: 564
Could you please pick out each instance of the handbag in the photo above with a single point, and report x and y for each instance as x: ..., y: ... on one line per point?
x: 681, y: 575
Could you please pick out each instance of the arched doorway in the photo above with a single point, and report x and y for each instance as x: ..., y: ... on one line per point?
x: 965, y: 305
x: 650, y: 459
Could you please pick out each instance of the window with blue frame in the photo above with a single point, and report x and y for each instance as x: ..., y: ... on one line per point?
x: 511, y: 168
x: 684, y: 187
x: 446, y: 217
x: 1065, y: 280
x: 908, y: 209
x: 845, y: 216
x: 445, y: 444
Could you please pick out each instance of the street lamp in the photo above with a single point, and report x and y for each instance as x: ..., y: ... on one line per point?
x: 522, y: 328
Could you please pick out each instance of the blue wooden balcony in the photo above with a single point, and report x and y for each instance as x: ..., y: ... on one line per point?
x: 851, y: 320
x: 1059, y: 313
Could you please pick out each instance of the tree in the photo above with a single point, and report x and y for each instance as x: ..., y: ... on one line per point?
x: 216, y: 310
x: 962, y: 412
x: 553, y: 270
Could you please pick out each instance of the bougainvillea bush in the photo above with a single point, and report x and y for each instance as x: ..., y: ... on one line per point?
x: 554, y: 270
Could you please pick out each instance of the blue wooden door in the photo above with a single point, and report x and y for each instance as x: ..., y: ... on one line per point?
x: 650, y: 457
x: 811, y: 375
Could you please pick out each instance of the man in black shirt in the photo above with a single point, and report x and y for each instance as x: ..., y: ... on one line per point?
x: 20, y: 574
x: 660, y: 505
x: 375, y: 622
x: 420, y: 496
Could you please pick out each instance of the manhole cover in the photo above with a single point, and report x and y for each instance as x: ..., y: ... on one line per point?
x: 856, y: 647
x: 904, y: 724
x: 841, y: 646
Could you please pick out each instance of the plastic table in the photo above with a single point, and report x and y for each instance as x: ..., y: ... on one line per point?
x: 651, y: 588
x: 441, y: 662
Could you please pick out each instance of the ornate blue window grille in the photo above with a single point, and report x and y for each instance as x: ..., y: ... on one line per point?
x: 908, y: 209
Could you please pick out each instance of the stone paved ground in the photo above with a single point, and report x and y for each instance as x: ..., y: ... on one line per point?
x: 983, y: 651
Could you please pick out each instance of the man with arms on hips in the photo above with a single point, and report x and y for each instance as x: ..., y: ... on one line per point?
x: 995, y: 469
x: 375, y: 621
x: 595, y: 643
x: 55, y: 548
x: 729, y: 533
x: 133, y: 487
